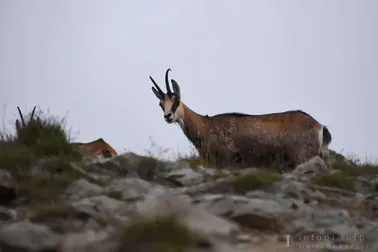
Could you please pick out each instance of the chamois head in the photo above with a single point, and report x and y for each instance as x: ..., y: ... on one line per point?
x: 23, y: 124
x: 169, y: 102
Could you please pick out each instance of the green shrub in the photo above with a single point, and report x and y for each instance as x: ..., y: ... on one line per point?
x: 51, y: 211
x: 146, y: 166
x: 338, y: 180
x: 46, y: 136
x: 115, y: 194
x: 354, y: 169
x: 160, y: 234
x: 16, y: 158
x: 253, y: 181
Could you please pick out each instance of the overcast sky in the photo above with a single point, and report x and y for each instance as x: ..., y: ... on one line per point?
x: 90, y: 60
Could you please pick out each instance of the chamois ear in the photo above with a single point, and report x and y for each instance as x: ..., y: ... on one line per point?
x: 176, y: 89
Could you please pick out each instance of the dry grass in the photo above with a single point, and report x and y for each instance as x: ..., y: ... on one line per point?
x: 339, y: 180
x: 255, y: 180
x: 115, y: 194
x: 160, y: 234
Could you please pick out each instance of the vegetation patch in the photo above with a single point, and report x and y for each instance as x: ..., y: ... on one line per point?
x: 16, y: 158
x: 46, y: 136
x: 42, y: 189
x: 59, y: 216
x: 221, y: 174
x: 160, y: 234
x: 339, y: 180
x: 37, y: 138
x: 253, y: 181
x: 38, y: 155
x: 355, y: 170
x: 51, y: 211
x: 47, y: 179
x: 146, y: 166
x: 195, y: 162
x: 115, y: 194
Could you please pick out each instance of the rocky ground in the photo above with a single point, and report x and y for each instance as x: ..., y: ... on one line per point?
x: 138, y: 203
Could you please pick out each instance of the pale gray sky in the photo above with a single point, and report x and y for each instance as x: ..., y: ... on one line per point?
x: 91, y: 59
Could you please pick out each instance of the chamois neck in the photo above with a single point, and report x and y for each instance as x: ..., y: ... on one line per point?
x: 193, y: 125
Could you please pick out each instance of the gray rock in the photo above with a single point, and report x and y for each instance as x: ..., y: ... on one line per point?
x: 131, y: 188
x: 297, y: 190
x: 373, y: 181
x: 29, y: 237
x: 220, y: 185
x: 364, y: 186
x: 267, y: 214
x: 370, y: 237
x: 328, y: 222
x: 185, y: 176
x: 82, y: 188
x: 102, y: 207
x: 88, y: 241
x: 163, y: 203
x: 203, y: 199
x: 314, y: 165
x: 7, y: 214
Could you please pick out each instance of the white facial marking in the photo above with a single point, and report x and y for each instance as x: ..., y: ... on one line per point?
x: 181, y: 123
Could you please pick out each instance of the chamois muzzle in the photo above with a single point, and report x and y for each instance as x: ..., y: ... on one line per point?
x: 168, y: 118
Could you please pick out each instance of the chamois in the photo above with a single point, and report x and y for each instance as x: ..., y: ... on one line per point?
x: 23, y: 124
x: 97, y: 148
x: 279, y: 140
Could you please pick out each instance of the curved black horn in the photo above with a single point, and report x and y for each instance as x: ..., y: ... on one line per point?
x: 32, y: 114
x: 22, y: 118
x: 157, y: 87
x: 167, y: 82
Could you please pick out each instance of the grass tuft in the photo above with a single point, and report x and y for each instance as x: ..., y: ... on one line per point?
x: 51, y: 211
x: 40, y: 147
x: 193, y: 159
x: 339, y: 180
x: 160, y: 234
x: 115, y: 194
x: 253, y: 181
x: 46, y: 136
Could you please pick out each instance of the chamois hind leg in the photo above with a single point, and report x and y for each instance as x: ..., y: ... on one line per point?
x: 324, y: 154
x: 286, y: 162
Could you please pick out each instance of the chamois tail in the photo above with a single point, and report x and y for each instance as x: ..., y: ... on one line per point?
x: 327, y: 138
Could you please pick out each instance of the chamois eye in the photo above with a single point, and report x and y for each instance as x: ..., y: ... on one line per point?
x: 161, y: 106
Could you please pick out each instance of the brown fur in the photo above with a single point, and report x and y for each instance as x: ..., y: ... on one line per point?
x: 283, y: 139
x: 97, y: 148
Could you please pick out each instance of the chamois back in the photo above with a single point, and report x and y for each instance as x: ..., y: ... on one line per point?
x: 235, y: 139
x: 97, y: 148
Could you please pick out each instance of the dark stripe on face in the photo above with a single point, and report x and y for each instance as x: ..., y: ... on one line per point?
x: 176, y: 103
